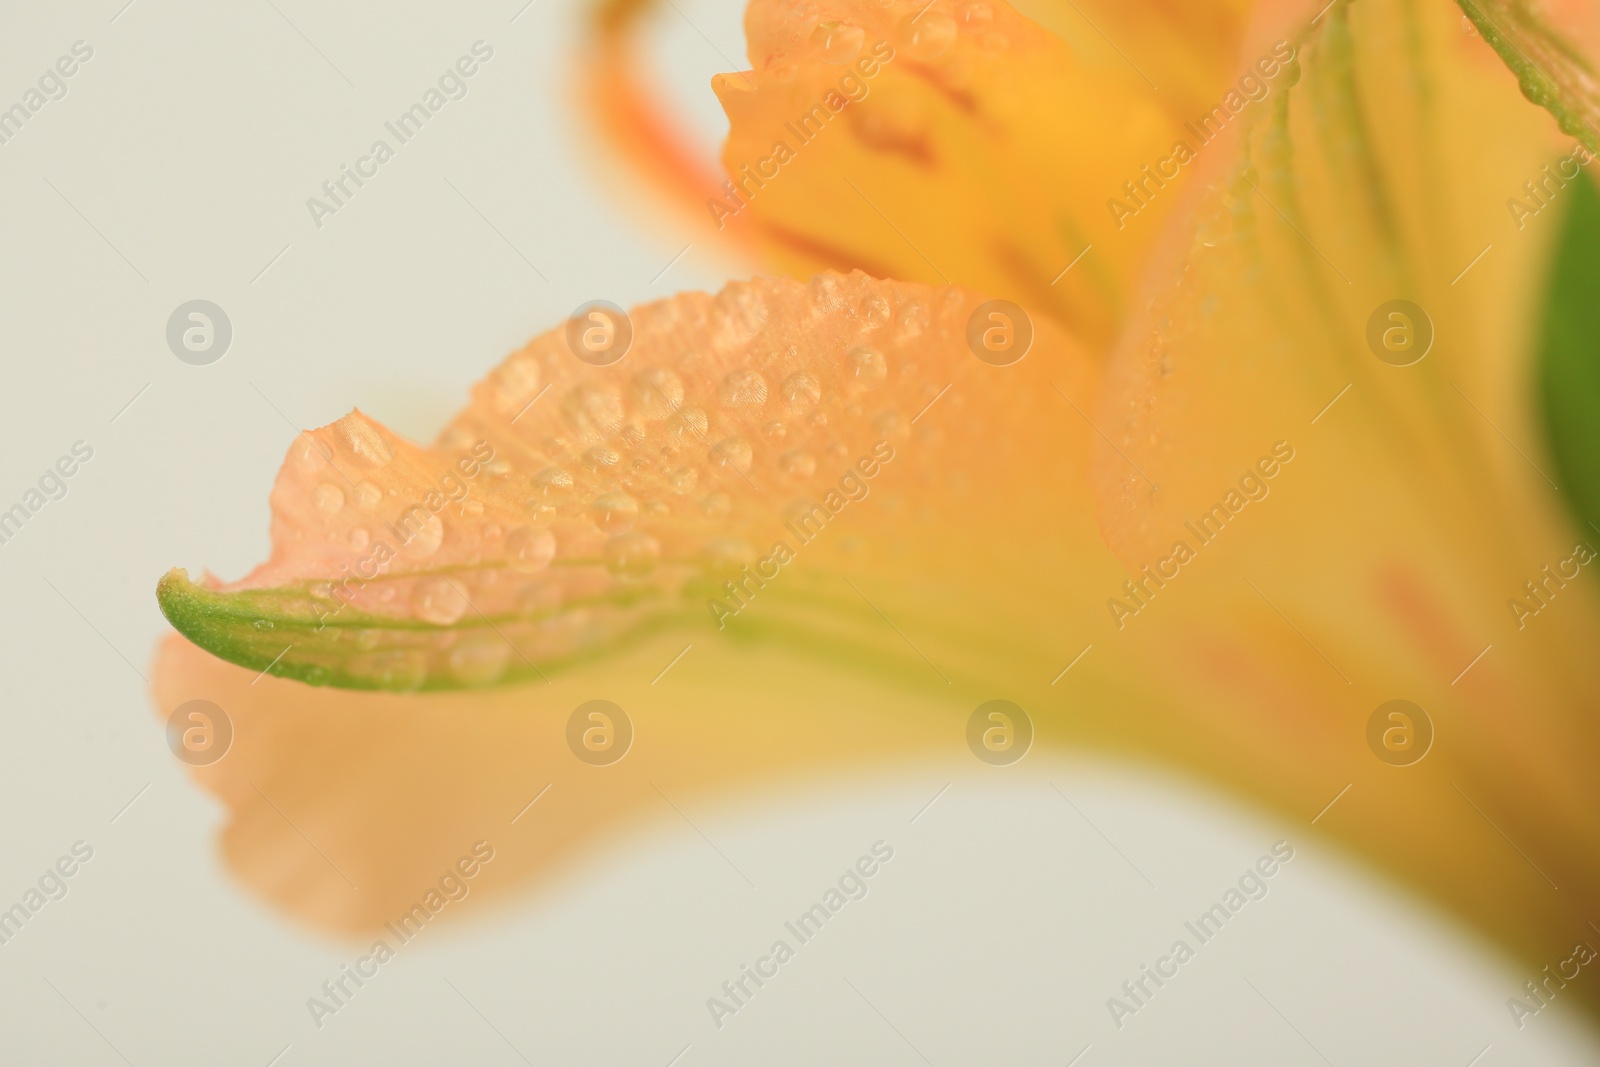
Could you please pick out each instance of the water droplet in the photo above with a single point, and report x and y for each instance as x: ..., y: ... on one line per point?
x: 974, y: 17
x: 492, y: 532
x: 594, y: 413
x: 744, y: 388
x: 716, y: 505
x: 732, y: 452
x: 838, y: 42
x: 914, y: 320
x: 359, y: 537
x: 437, y: 600
x: 928, y: 35
x: 262, y: 624
x: 774, y: 432
x: 516, y: 383
x: 422, y: 538
x: 362, y: 437
x: 875, y: 311
x: 867, y: 365
x: 801, y: 392
x: 539, y: 598
x: 683, y: 480
x: 615, y: 513
x: 368, y: 496
x: 310, y: 455
x: 689, y: 422
x: 600, y: 460
x: 321, y: 590
x: 1213, y: 225
x: 798, y: 463
x: 540, y: 514
x: 725, y: 555
x: 328, y: 498
x: 399, y: 671
x: 656, y: 393
x: 890, y: 426
x: 479, y: 661
x: 632, y: 555
x: 552, y: 480
x: 827, y: 293
x: 528, y: 549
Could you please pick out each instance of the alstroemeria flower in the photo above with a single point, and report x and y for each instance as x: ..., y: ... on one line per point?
x: 1201, y: 487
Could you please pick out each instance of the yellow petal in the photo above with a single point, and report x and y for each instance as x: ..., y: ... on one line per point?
x: 1377, y: 521
x: 962, y: 144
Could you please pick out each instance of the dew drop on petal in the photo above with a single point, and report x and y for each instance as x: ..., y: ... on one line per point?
x: 801, y: 392
x: 867, y: 365
x: 424, y: 539
x: 716, y: 505
x: 328, y: 498
x: 632, y: 555
x: 368, y: 496
x: 551, y: 481
x: 839, y: 42
x: 682, y: 480
x: 362, y: 437
x: 528, y: 549
x: 798, y: 463
x: 480, y: 661
x: 744, y: 389
x: 437, y: 600
x: 615, y: 513
x: 656, y: 393
x: 928, y: 35
x: 397, y: 670
x: 875, y: 312
x: 359, y: 537
x: 734, y: 452
x: 975, y: 17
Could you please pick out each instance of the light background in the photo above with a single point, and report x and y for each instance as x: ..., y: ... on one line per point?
x: 177, y: 167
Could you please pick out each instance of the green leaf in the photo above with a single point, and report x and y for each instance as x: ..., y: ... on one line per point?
x: 1569, y: 354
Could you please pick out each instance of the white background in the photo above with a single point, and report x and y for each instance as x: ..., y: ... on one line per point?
x: 178, y: 167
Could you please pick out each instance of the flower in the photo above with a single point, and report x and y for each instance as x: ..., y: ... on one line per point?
x: 1210, y: 486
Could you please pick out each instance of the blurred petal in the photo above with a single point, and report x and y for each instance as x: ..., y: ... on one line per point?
x: 1189, y: 48
x: 1381, y: 548
x: 962, y: 144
